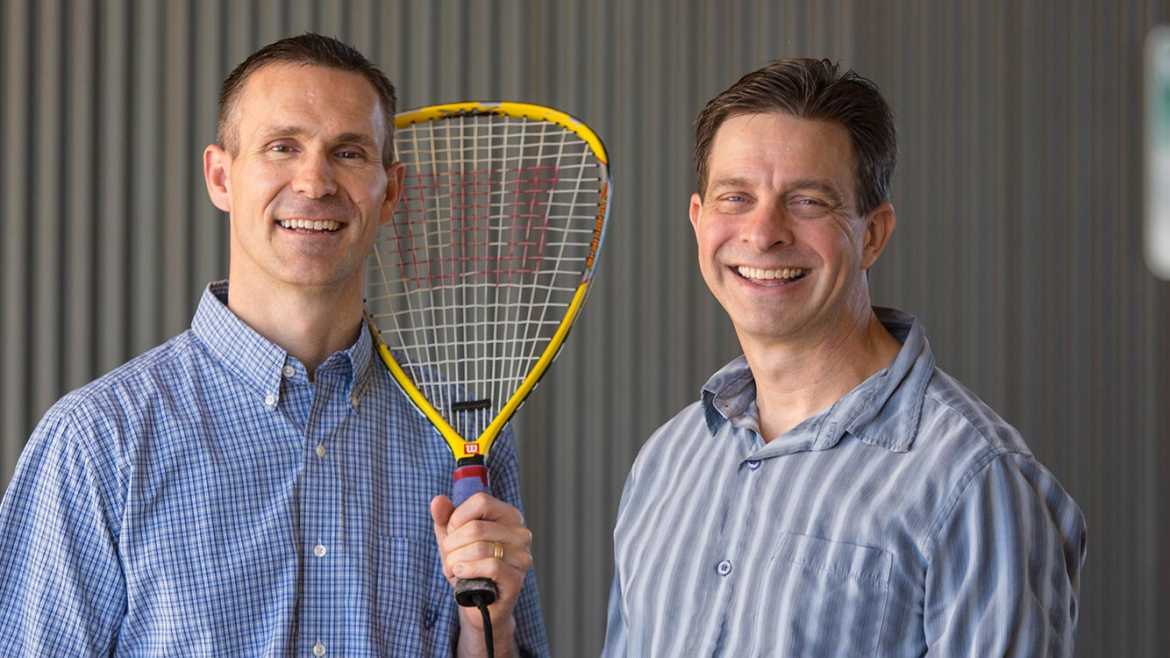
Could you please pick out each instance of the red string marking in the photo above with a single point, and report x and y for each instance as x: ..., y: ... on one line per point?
x: 468, y: 197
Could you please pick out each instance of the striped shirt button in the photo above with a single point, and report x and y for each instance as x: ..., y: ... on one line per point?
x: 319, y: 550
x: 288, y: 371
x: 753, y: 464
x: 321, y: 450
x: 270, y: 400
x: 723, y: 568
x: 318, y: 649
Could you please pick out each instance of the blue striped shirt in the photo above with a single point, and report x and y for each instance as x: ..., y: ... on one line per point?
x: 906, y: 520
x: 207, y: 499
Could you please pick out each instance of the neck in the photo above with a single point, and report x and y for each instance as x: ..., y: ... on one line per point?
x: 797, y: 379
x: 309, y: 324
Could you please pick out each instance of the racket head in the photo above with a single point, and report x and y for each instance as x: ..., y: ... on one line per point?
x: 488, y: 260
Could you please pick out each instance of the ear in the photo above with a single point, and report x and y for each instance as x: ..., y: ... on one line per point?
x: 395, y: 174
x: 217, y: 169
x: 879, y: 226
x: 696, y: 211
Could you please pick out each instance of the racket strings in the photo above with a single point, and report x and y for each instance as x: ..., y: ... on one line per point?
x: 490, y: 240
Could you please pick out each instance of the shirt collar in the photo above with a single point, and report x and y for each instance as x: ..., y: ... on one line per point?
x: 259, y: 361
x: 884, y: 410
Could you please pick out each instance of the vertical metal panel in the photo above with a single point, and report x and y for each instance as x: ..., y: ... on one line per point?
x: 207, y: 227
x: 16, y: 417
x: 146, y: 185
x: 112, y: 211
x: 178, y: 132
x: 47, y: 207
x: 1018, y: 195
x: 79, y: 167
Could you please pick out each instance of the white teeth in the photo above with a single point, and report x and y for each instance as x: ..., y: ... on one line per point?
x: 310, y: 225
x: 786, y: 273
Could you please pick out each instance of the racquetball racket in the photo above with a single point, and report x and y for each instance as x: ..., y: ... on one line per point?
x: 478, y: 279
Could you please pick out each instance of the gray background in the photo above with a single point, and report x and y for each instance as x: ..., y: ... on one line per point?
x: 1018, y: 244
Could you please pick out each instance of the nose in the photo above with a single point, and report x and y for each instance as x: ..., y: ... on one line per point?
x: 768, y: 226
x: 314, y: 176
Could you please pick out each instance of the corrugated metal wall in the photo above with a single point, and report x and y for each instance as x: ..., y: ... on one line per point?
x: 1019, y: 197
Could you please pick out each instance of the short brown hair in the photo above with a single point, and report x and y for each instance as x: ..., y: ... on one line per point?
x: 307, y: 49
x: 812, y: 89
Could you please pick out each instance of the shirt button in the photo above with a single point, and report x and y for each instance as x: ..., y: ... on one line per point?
x: 321, y: 450
x: 319, y: 550
x: 318, y: 650
x: 723, y: 568
x: 753, y: 464
x: 270, y: 400
x: 289, y: 371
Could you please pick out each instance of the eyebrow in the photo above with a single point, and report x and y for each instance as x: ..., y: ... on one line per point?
x: 818, y: 184
x: 356, y: 138
x: 729, y: 181
x: 277, y: 132
x: 280, y: 131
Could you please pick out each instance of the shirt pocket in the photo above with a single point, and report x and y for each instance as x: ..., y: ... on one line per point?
x: 409, y: 603
x: 829, y: 598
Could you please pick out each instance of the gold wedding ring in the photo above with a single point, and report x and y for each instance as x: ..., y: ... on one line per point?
x: 498, y: 550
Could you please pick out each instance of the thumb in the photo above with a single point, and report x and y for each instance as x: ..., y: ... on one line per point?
x: 441, y: 510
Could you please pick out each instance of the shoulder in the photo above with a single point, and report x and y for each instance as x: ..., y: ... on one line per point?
x: 685, y: 427
x: 683, y: 432
x: 988, y: 464
x: 953, y: 412
x: 84, y: 441
x: 90, y: 415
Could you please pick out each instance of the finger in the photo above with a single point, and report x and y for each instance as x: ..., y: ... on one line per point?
x: 486, y: 531
x: 484, y: 506
x: 516, y: 556
x: 508, y: 578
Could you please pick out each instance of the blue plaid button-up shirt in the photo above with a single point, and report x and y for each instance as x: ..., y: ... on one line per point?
x: 207, y: 499
x: 906, y: 520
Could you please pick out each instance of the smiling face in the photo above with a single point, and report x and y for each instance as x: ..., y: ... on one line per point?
x: 780, y: 243
x: 306, y: 190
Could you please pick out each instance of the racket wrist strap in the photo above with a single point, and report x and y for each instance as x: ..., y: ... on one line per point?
x: 470, y: 477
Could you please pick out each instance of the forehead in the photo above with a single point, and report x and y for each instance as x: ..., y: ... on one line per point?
x: 777, y: 145
x: 315, y: 99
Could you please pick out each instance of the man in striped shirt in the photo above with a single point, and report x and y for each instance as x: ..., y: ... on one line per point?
x: 833, y: 493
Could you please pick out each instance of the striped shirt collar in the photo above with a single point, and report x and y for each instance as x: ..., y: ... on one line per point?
x: 884, y: 410
x: 259, y: 361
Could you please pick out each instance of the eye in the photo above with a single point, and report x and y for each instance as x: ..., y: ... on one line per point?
x: 808, y: 207
x: 281, y: 148
x: 809, y: 201
x: 351, y: 154
x: 733, y: 202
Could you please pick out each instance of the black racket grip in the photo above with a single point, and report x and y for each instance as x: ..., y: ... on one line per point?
x: 470, y: 478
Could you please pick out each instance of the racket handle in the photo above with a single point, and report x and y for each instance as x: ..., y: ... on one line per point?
x: 471, y: 477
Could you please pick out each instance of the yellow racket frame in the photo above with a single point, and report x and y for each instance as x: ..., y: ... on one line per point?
x: 462, y: 446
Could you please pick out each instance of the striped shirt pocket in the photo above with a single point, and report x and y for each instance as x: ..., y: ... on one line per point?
x: 830, y: 598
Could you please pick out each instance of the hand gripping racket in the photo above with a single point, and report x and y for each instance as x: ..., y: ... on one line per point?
x: 478, y: 279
